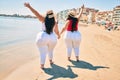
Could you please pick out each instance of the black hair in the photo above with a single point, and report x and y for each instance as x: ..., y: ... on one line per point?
x: 49, y: 23
x: 74, y: 22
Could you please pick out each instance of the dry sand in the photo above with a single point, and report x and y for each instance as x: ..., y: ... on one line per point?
x: 99, y: 59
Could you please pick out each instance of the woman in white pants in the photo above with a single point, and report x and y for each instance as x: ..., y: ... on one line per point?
x: 72, y: 35
x: 46, y: 39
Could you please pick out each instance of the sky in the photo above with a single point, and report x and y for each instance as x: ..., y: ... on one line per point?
x: 17, y: 6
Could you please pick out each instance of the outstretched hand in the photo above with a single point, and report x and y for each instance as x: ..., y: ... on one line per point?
x: 27, y: 5
x: 82, y: 6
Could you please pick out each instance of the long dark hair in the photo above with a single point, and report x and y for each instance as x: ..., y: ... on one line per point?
x: 49, y: 23
x: 74, y: 21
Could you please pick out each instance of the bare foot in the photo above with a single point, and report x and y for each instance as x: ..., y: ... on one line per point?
x: 42, y: 66
x: 51, y: 62
x: 69, y: 59
x: 77, y: 60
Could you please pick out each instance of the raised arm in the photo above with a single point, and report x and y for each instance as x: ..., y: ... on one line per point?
x: 64, y: 27
x: 39, y: 16
x: 56, y: 30
x: 80, y: 13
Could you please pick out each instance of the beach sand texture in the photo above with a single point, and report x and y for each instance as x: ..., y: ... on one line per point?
x: 99, y: 59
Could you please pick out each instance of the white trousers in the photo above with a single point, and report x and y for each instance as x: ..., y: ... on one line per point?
x: 46, y: 44
x: 72, y: 40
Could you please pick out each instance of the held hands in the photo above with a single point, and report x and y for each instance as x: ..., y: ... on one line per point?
x: 27, y: 5
x: 58, y: 36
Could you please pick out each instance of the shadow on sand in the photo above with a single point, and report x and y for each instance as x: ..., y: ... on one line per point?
x: 86, y: 65
x: 58, y: 71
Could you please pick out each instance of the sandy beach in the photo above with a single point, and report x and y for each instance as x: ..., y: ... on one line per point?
x: 99, y: 59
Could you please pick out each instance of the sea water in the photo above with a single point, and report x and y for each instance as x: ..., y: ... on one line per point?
x: 14, y: 30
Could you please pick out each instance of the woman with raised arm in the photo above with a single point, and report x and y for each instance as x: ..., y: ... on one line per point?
x: 46, y: 39
x: 72, y: 35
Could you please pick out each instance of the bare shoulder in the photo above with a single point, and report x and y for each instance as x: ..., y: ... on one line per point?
x: 67, y: 22
x: 41, y: 17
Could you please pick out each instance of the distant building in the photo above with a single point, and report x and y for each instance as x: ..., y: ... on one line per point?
x: 104, y: 15
x: 88, y: 14
x: 62, y: 15
x: 91, y: 14
x: 116, y: 15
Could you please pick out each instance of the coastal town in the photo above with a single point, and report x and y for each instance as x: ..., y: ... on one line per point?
x: 17, y: 15
x: 91, y: 15
x: 109, y: 19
